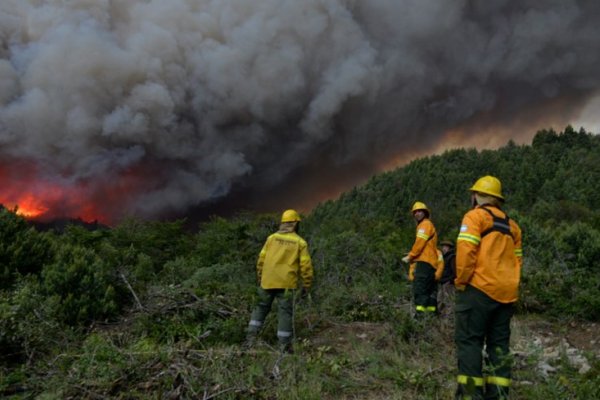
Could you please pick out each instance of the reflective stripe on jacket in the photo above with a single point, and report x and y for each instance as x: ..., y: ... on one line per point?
x: 425, y: 246
x: 491, y: 263
x: 283, y: 257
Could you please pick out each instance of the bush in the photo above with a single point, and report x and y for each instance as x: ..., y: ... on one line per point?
x: 22, y: 249
x: 82, y: 286
x: 237, y: 240
x: 27, y: 324
x: 565, y: 280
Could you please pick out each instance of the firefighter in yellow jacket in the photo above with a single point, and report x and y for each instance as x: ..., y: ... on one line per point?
x: 424, y: 256
x: 488, y: 270
x: 283, y: 258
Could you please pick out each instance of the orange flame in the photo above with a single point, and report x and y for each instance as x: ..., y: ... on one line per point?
x: 29, y: 207
x: 38, y: 195
x: 34, y: 196
x: 47, y: 201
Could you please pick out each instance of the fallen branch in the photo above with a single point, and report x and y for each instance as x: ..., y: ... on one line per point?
x: 137, y: 300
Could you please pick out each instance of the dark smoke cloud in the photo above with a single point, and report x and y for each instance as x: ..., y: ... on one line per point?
x: 198, y: 99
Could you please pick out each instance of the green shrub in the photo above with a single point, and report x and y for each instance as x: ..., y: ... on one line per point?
x: 237, y: 240
x: 82, y: 286
x: 22, y: 249
x: 561, y: 277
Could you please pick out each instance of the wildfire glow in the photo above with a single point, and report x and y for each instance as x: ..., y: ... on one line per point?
x: 29, y: 207
x: 46, y: 201
x: 27, y: 191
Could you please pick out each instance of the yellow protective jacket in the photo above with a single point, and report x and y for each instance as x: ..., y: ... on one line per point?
x: 282, y: 258
x: 439, y: 268
x: 425, y: 246
x: 487, y: 259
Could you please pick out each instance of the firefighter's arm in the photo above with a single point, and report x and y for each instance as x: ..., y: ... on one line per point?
x: 306, y: 268
x: 467, y: 248
x: 440, y: 267
x: 424, y: 233
x: 261, y: 261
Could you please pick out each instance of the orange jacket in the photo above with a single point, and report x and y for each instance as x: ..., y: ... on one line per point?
x: 490, y: 262
x: 425, y: 246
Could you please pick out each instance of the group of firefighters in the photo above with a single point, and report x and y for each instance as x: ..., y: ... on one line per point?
x: 482, y: 275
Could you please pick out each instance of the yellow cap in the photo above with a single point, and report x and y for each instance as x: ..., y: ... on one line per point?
x: 419, y: 206
x: 488, y: 185
x: 290, y: 216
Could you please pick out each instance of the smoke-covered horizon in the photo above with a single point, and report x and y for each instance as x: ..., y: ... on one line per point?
x: 151, y: 107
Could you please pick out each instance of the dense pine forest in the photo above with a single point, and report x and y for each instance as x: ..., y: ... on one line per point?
x: 150, y: 310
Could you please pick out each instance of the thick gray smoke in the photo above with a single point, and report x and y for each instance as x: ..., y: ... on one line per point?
x: 180, y: 102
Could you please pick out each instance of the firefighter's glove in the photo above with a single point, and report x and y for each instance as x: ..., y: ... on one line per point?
x: 406, y: 259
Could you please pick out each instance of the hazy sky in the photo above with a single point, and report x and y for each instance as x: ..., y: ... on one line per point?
x: 148, y: 107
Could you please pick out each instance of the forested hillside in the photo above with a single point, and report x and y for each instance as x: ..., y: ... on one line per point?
x: 551, y: 187
x: 149, y: 310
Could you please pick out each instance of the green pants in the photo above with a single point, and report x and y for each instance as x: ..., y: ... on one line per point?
x: 285, y: 313
x: 481, y: 320
x: 425, y: 288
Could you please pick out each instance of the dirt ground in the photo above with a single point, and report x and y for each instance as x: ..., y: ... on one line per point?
x: 584, y: 336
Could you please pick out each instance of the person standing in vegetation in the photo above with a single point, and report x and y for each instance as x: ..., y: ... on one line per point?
x: 424, y: 255
x: 282, y: 259
x: 446, y: 299
x: 488, y: 271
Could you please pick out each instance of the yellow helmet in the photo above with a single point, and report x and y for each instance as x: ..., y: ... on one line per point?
x: 420, y: 206
x: 290, y: 216
x: 488, y: 185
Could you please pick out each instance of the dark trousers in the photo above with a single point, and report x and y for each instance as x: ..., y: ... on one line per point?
x: 425, y: 288
x: 481, y: 320
x: 285, y: 313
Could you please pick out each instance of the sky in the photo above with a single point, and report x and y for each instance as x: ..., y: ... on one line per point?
x: 111, y: 108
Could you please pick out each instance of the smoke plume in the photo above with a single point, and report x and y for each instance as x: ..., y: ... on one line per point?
x: 150, y: 107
